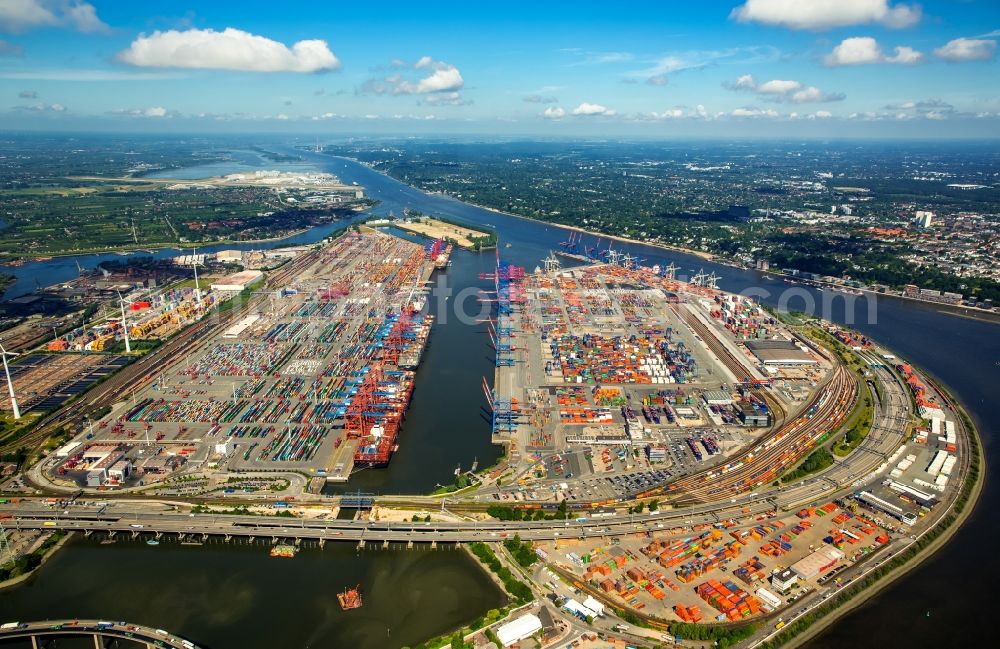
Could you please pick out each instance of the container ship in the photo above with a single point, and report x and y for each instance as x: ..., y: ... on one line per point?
x: 350, y: 598
x: 438, y: 252
x: 442, y: 260
x: 572, y: 255
x: 380, y: 398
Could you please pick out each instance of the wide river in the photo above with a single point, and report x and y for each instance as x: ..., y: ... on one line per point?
x: 446, y: 428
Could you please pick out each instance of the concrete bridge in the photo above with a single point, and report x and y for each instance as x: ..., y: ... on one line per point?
x: 41, y: 633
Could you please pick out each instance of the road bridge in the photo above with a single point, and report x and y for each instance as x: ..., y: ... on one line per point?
x: 39, y: 633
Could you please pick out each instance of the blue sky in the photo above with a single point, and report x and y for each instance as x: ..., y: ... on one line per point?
x: 727, y: 68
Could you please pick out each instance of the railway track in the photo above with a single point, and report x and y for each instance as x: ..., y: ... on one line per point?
x: 734, y: 364
x: 789, y: 444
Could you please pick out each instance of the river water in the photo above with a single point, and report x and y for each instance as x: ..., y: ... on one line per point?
x: 226, y: 596
x: 446, y: 428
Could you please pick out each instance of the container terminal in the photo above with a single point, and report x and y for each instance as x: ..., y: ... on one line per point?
x: 606, y: 370
x: 316, y: 378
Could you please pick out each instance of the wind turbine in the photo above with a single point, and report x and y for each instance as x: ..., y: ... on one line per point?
x: 128, y: 345
x: 197, y: 287
x: 10, y: 384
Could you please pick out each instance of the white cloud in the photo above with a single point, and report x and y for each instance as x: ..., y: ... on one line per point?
x: 813, y: 95
x: 553, y: 112
x: 865, y: 50
x: 933, y: 109
x: 41, y: 108
x: 784, y: 90
x: 826, y: 14
x: 658, y: 80
x: 154, y: 112
x: 540, y: 99
x: 967, y: 49
x: 778, y: 87
x: 821, y: 114
x: 592, y: 109
x: 444, y: 77
x: 670, y: 113
x: 446, y: 99
x: 754, y: 113
x: 230, y: 49
x: 18, y: 16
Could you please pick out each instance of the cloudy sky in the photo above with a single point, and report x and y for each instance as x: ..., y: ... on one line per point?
x: 853, y: 68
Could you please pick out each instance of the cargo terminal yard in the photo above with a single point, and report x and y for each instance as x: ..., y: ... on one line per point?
x: 620, y: 381
x: 651, y: 426
x: 316, y: 378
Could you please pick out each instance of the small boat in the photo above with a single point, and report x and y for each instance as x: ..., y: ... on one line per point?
x: 350, y: 598
x: 152, y: 542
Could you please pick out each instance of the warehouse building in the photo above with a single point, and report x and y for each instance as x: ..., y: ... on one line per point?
x: 816, y: 563
x: 768, y: 598
x: 238, y: 281
x: 780, y: 352
x: 717, y: 397
x: 750, y: 417
x: 519, y: 629
x: 229, y: 256
x: 120, y: 471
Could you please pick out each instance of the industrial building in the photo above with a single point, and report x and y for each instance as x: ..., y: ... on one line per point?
x: 780, y: 352
x: 754, y: 418
x: 816, y: 563
x: 523, y: 627
x: 784, y: 580
x: 229, y: 256
x: 238, y: 281
x: 717, y: 398
x: 770, y: 599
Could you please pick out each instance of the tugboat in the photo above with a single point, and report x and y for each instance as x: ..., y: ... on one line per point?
x: 350, y: 598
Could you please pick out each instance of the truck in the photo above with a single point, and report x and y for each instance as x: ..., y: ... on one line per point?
x: 105, y: 625
x: 8, y: 626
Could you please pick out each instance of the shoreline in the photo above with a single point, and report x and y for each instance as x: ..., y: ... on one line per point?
x: 701, y: 254
x: 140, y: 249
x: 820, y: 625
x: 20, y: 579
